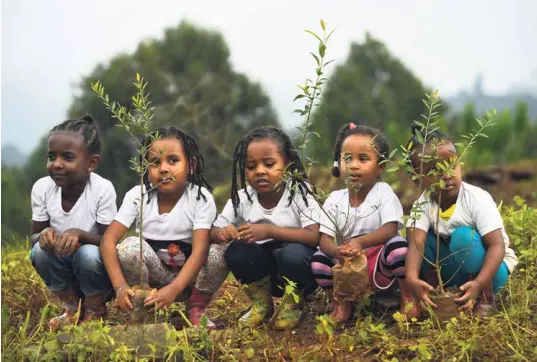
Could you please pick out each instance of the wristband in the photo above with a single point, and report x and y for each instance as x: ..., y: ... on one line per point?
x: 121, y: 287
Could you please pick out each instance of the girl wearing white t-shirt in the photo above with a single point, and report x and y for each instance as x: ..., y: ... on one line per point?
x: 71, y: 209
x: 273, y: 228
x: 368, y: 214
x: 178, y: 212
x: 474, y: 248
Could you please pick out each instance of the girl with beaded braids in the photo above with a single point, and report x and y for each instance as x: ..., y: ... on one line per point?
x: 178, y: 212
x: 71, y: 209
x: 369, y: 215
x: 272, y: 226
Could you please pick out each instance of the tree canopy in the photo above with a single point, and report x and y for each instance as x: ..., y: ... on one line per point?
x: 371, y: 87
x: 194, y: 86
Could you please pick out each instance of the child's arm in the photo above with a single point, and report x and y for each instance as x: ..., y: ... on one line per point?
x: 494, y: 244
x: 200, y: 249
x: 44, y: 234
x: 378, y: 237
x: 108, y: 247
x: 329, y: 247
x: 308, y: 235
x: 416, y: 245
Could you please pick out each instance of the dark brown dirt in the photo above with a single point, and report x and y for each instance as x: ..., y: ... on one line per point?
x: 447, y: 307
x: 139, y: 312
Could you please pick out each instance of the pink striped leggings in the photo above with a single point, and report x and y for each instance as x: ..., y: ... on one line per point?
x: 385, y: 263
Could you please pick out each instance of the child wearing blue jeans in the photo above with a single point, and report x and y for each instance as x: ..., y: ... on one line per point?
x: 71, y: 209
x: 474, y: 247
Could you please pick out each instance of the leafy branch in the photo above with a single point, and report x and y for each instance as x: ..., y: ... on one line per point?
x: 137, y: 122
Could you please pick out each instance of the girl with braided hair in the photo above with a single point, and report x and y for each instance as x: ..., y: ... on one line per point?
x: 177, y: 217
x: 71, y: 209
x: 369, y: 215
x: 272, y: 226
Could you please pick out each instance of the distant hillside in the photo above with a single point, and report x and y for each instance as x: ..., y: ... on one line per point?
x: 486, y: 102
x: 11, y: 156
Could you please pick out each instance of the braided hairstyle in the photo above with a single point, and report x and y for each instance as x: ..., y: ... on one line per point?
x: 196, y: 162
x: 287, y: 150
x: 379, y: 142
x: 434, y: 137
x: 87, y: 128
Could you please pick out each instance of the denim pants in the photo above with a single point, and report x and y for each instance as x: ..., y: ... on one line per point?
x: 464, y: 255
x: 253, y: 262
x: 84, y: 268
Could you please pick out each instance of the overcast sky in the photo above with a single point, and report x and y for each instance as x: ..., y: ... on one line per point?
x: 48, y: 45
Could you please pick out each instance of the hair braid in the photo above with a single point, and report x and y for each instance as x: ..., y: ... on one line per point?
x: 288, y: 151
x: 87, y: 128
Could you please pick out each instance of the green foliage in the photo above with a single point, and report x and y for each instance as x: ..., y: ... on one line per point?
x: 510, y: 334
x: 137, y: 123
x: 512, y: 139
x: 16, y: 212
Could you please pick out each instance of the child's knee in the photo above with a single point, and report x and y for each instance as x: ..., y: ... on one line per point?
x: 395, y: 250
x: 466, y: 246
x: 88, y: 259
x: 217, y: 253
x: 41, y: 258
x: 464, y: 236
x: 237, y: 253
x: 295, y: 255
x: 129, y: 249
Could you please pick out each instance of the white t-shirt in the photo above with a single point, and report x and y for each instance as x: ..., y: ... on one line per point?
x: 296, y: 215
x: 187, y: 215
x: 97, y: 204
x: 381, y: 206
x: 474, y: 208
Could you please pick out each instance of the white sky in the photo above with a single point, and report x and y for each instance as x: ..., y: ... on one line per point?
x: 48, y: 45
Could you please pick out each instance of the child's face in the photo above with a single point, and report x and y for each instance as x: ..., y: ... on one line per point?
x: 442, y: 152
x: 359, y: 161
x: 168, y: 168
x: 264, y: 165
x: 68, y: 160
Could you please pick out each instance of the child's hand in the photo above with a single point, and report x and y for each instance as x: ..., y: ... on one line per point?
x: 254, y: 232
x: 163, y: 297
x: 473, y: 289
x: 123, y: 297
x: 47, y: 240
x: 227, y: 234
x: 67, y: 243
x: 340, y: 258
x: 352, y: 248
x: 421, y: 289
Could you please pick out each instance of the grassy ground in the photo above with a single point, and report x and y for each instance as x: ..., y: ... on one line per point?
x: 510, y: 334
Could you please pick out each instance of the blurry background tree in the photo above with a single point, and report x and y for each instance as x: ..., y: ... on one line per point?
x: 195, y: 87
x: 371, y: 87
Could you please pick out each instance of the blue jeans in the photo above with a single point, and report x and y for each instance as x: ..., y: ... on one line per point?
x: 253, y: 262
x: 464, y: 255
x: 84, y: 268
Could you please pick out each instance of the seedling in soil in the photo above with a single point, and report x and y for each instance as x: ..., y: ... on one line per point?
x: 137, y: 123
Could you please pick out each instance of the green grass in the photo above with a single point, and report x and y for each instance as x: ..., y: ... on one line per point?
x: 510, y: 334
